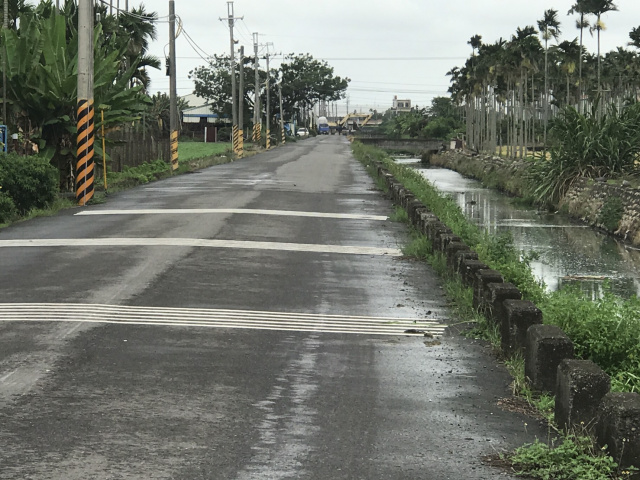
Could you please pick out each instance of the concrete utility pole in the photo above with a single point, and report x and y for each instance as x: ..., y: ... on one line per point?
x: 5, y: 25
x: 234, y: 108
x: 282, y: 136
x: 257, y: 117
x: 173, y: 97
x: 268, y: 109
x: 85, y: 165
x: 241, y: 101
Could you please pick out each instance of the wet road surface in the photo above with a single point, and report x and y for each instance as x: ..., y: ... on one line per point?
x: 243, y: 322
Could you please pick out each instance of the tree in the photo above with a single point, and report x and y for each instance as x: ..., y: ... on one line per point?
x: 213, y: 83
x: 307, y: 81
x: 137, y: 28
x: 582, y: 9
x: 549, y: 27
x: 598, y: 8
x: 42, y: 59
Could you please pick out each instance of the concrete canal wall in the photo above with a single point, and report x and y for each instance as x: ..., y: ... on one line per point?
x: 611, y: 207
x: 583, y: 399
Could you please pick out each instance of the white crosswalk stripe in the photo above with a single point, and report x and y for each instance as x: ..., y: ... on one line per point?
x: 247, y: 211
x: 217, y: 318
x: 198, y: 242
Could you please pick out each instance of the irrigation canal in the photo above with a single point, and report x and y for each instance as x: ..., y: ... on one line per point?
x: 568, y: 251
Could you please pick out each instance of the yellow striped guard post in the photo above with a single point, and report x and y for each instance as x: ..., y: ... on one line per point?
x: 267, y: 144
x: 240, y: 142
x: 174, y: 150
x: 85, y: 165
x: 258, y: 133
x: 282, y: 139
x: 235, y: 139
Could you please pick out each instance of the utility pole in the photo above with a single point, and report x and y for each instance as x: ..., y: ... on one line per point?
x: 5, y: 25
x: 85, y: 165
x: 173, y: 97
x: 282, y: 137
x: 234, y: 108
x: 268, y: 109
x: 257, y: 117
x: 241, y: 102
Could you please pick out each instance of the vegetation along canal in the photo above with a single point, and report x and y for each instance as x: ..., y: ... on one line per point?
x: 567, y: 251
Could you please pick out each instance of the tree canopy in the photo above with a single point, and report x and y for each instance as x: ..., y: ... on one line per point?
x: 305, y: 82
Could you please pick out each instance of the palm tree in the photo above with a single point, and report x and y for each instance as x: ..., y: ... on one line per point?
x: 549, y: 28
x: 598, y: 8
x: 567, y: 52
x: 581, y: 8
x: 138, y: 27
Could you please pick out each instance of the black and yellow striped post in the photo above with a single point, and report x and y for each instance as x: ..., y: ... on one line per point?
x: 282, y: 137
x: 235, y: 139
x: 267, y: 143
x: 85, y: 165
x: 174, y: 150
x: 240, y: 142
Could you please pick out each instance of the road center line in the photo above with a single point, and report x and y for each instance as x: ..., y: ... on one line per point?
x: 183, y: 211
x: 199, y: 242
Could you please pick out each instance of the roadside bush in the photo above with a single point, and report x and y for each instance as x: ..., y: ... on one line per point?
x: 591, y: 145
x: 31, y: 182
x: 605, y: 330
x: 7, y: 208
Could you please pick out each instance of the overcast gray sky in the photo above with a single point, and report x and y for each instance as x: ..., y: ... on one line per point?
x: 386, y: 48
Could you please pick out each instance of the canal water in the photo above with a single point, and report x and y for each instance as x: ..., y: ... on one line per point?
x: 569, y: 252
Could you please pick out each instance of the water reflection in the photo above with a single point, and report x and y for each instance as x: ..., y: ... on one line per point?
x: 568, y: 252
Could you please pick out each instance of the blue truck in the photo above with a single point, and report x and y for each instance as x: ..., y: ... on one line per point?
x: 323, y: 126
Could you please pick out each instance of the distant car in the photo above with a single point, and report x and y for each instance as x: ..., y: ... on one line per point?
x: 302, y: 132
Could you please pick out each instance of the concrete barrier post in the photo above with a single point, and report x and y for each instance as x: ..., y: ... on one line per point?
x: 618, y: 427
x: 468, y: 270
x: 580, y: 387
x: 546, y: 347
x: 459, y: 257
x: 452, y: 249
x: 436, y: 228
x: 498, y: 293
x: 425, y: 218
x: 441, y: 241
x: 520, y: 315
x: 480, y: 287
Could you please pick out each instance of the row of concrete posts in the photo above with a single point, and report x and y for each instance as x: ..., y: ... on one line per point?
x: 583, y: 400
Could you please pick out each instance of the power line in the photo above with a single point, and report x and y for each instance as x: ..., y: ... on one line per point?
x: 196, y: 48
x: 390, y: 59
x: 151, y: 18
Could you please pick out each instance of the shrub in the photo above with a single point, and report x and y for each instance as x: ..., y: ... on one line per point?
x: 7, y: 208
x: 31, y: 182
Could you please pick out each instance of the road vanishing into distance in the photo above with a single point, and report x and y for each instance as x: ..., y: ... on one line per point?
x: 246, y: 321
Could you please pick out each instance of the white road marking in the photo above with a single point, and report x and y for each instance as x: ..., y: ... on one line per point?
x: 216, y: 318
x: 198, y: 242
x: 182, y: 211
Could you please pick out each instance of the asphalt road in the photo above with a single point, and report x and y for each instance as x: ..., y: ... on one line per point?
x: 242, y: 322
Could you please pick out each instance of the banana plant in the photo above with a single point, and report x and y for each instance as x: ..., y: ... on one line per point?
x: 42, y: 72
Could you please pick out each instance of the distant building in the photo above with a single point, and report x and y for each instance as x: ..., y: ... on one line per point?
x: 400, y: 106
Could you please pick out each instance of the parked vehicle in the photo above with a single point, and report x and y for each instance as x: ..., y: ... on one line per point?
x: 323, y: 126
x: 302, y: 132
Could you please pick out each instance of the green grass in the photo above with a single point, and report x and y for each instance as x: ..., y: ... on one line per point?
x: 195, y: 150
